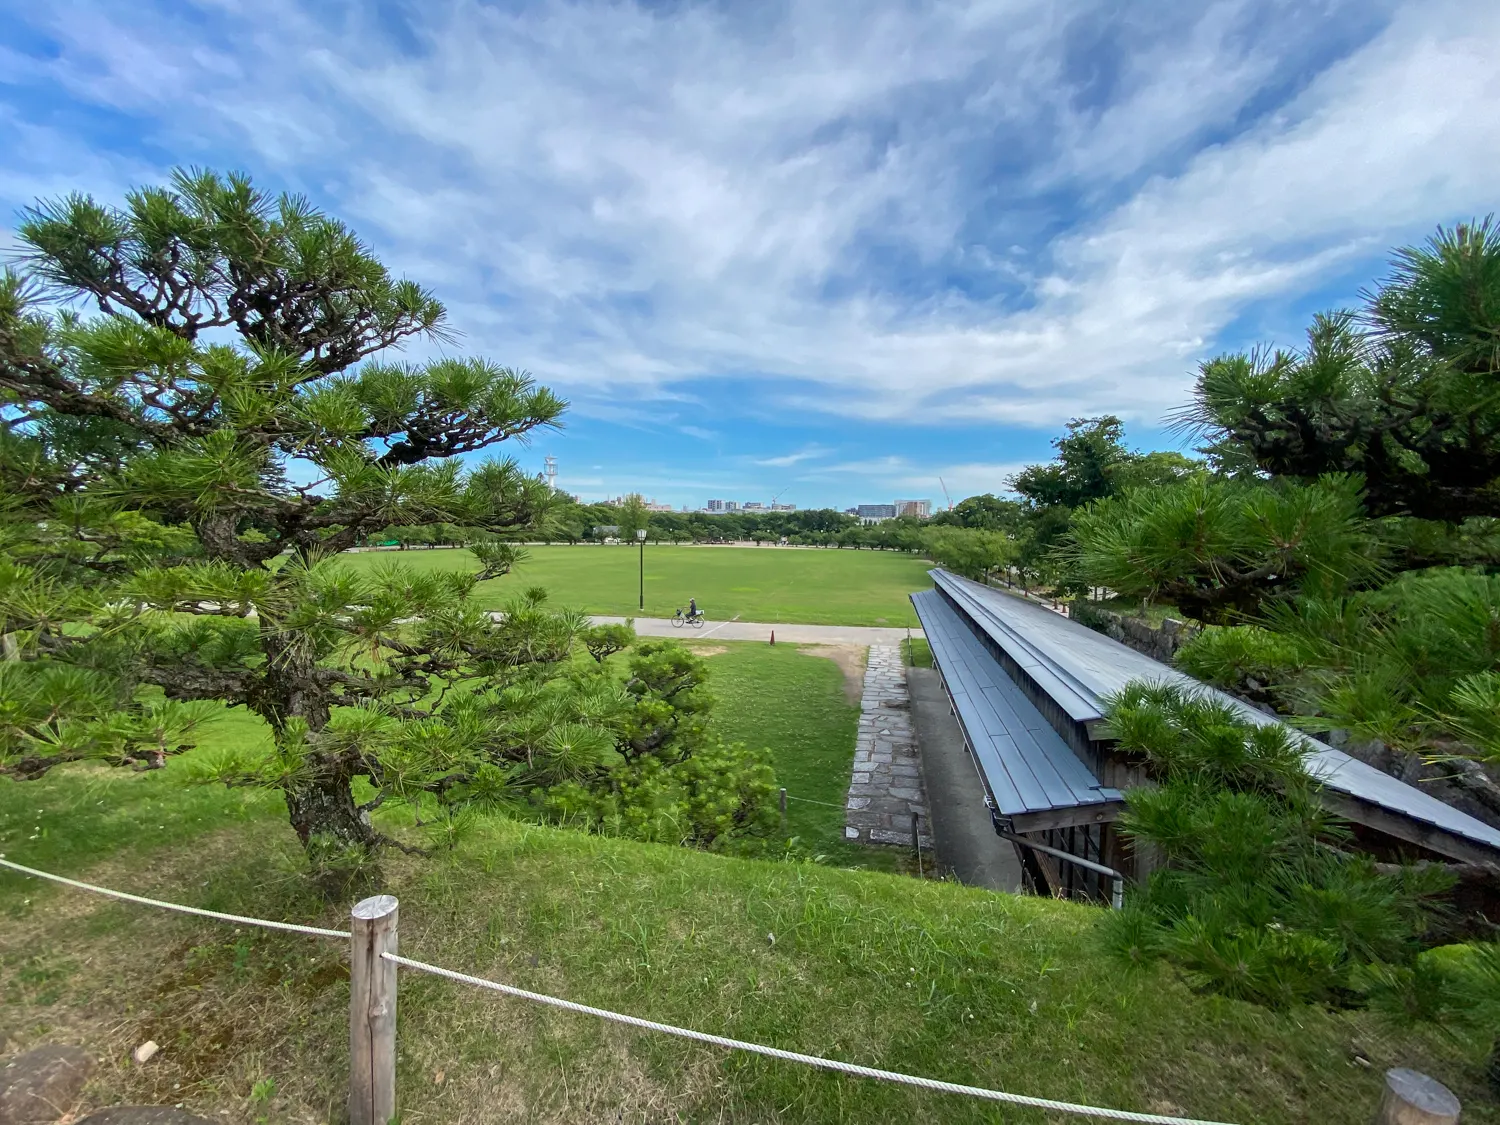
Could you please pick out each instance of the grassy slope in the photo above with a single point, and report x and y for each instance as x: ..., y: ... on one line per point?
x: 920, y: 976
x: 759, y: 584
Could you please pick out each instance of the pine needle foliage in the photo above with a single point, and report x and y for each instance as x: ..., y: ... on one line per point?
x: 1413, y: 663
x: 1254, y: 893
x: 1400, y: 391
x: 202, y: 405
x: 1222, y: 549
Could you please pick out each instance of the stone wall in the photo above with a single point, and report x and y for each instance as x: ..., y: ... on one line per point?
x: 1160, y: 642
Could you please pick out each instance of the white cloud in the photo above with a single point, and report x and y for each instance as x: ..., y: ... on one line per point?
x: 806, y: 453
x: 629, y: 201
x: 899, y: 476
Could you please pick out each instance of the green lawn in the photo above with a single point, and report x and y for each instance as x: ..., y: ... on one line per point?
x: 829, y: 587
x: 921, y: 976
x: 926, y: 977
x: 792, y: 700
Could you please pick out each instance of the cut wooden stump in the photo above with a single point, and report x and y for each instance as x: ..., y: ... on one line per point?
x: 1411, y: 1098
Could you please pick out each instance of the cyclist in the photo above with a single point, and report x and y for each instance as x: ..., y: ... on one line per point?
x: 692, y: 608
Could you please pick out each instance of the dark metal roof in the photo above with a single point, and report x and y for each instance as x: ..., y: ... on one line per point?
x: 1078, y: 667
x: 1025, y: 764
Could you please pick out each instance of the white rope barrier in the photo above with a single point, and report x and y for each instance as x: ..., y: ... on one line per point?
x: 635, y: 1021
x: 797, y: 1056
x: 291, y: 927
x: 810, y: 801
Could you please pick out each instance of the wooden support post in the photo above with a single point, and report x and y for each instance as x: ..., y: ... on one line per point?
x: 372, y: 1012
x: 916, y: 843
x: 783, y: 808
x: 1411, y: 1098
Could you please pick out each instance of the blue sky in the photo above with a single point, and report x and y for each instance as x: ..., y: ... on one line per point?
x: 828, y: 250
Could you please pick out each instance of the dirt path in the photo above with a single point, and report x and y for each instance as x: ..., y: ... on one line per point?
x: 851, y: 661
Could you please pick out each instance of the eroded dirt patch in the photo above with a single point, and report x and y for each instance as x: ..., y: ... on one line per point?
x: 851, y: 661
x: 707, y: 650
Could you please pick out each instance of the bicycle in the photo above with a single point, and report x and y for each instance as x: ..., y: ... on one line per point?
x: 694, y: 620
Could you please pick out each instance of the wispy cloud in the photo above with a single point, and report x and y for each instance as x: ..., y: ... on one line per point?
x: 786, y: 460
x: 944, y: 216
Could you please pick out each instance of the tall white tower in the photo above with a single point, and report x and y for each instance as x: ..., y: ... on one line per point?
x: 550, y: 471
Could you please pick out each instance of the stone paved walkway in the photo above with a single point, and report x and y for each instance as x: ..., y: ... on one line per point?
x: 887, y: 784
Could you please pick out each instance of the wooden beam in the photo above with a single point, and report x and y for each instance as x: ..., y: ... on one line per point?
x: 1073, y: 817
x: 1416, y: 832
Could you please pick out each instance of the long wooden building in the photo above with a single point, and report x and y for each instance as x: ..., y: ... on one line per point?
x: 1027, y: 684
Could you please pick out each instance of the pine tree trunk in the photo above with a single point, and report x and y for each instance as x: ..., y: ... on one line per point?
x: 320, y: 800
x: 325, y: 817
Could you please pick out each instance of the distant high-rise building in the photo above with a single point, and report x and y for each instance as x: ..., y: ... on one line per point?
x: 783, y: 507
x: 715, y: 506
x: 731, y: 505
x: 752, y: 506
x: 876, y: 511
x: 919, y: 508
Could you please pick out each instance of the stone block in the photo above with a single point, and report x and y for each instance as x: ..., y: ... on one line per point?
x: 43, y: 1084
x: 890, y: 836
x: 905, y: 794
x: 857, y: 803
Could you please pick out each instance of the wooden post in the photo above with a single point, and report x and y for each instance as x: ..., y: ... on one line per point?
x: 372, y: 1012
x: 783, y: 808
x: 1411, y: 1098
x: 916, y: 842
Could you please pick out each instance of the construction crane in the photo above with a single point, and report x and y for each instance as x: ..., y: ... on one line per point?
x: 778, y: 496
x: 945, y: 494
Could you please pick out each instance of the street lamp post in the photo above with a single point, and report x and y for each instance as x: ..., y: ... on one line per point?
x: 641, y: 538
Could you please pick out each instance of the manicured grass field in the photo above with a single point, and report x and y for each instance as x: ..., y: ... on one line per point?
x: 812, y: 586
x: 792, y: 699
x: 925, y: 977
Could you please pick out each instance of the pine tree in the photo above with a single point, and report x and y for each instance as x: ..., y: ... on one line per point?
x: 183, y: 462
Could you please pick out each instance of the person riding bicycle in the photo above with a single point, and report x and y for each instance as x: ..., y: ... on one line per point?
x: 693, y: 616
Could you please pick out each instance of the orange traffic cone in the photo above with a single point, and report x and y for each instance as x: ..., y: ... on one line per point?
x: 773, y: 636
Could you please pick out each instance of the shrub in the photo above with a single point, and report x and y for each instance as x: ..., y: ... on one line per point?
x: 1255, y: 895
x: 1244, y: 659
x: 1221, y: 549
x: 711, y: 799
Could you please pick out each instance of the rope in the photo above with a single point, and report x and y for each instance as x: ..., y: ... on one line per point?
x: 810, y: 801
x: 635, y: 1021
x: 292, y: 927
x: 798, y: 1057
